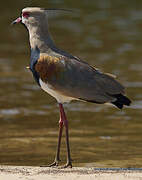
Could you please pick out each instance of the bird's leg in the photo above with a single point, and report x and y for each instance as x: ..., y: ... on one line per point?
x: 57, y: 157
x: 62, y: 122
x: 65, y: 121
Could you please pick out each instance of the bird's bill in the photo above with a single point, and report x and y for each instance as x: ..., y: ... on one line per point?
x: 18, y: 20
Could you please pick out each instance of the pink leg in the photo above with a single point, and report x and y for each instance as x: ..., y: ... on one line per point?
x: 62, y: 122
x: 65, y: 121
x: 57, y: 157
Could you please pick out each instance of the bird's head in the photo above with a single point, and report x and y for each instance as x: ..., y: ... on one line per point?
x: 31, y: 16
x: 35, y: 20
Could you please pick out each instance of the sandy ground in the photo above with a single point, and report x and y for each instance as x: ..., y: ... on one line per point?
x: 76, y: 173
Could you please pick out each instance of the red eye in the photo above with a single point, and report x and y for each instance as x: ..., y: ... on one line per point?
x: 25, y: 14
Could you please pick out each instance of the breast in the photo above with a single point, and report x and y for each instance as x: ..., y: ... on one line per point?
x: 57, y: 95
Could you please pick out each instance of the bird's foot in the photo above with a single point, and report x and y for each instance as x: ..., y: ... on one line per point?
x: 67, y: 165
x: 54, y: 164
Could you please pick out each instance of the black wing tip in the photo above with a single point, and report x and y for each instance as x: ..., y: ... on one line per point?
x: 117, y: 104
x: 121, y: 101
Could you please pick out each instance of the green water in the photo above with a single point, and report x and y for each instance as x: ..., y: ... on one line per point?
x: 108, y: 35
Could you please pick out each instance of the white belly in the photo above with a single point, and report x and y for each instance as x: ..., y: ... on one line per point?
x: 59, y: 97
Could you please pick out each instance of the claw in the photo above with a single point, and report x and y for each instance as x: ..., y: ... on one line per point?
x: 68, y: 165
x: 54, y: 164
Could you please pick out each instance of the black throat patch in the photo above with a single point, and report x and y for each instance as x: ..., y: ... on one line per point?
x: 35, y: 54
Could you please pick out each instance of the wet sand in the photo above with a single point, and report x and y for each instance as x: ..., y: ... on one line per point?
x: 44, y: 173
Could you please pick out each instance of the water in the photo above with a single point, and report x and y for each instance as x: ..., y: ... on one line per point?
x: 106, y: 34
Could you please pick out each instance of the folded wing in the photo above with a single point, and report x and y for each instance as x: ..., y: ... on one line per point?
x: 76, y: 79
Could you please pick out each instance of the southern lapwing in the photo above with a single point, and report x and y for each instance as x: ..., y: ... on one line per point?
x: 64, y: 76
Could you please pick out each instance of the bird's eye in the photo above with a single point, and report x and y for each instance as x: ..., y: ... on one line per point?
x: 25, y: 14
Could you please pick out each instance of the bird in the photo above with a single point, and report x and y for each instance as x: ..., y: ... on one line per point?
x: 64, y: 76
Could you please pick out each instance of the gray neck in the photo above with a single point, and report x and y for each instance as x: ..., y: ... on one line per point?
x: 40, y: 39
x: 39, y: 36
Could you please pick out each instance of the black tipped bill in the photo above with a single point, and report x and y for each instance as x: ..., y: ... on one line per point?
x: 18, y: 20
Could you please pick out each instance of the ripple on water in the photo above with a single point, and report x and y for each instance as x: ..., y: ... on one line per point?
x: 31, y: 87
x: 106, y: 137
x: 136, y: 67
x: 136, y: 84
x: 8, y: 80
x: 83, y: 107
x: 26, y: 112
x: 9, y: 111
x: 136, y: 105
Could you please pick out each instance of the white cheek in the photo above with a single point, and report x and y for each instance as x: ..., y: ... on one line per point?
x: 24, y: 20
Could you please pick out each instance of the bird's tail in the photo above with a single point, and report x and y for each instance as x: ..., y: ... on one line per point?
x: 121, y: 100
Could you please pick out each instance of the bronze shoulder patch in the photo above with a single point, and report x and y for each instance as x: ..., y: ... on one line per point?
x: 49, y: 58
x: 48, y: 67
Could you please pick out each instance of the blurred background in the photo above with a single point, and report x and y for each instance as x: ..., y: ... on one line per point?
x: 106, y: 34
